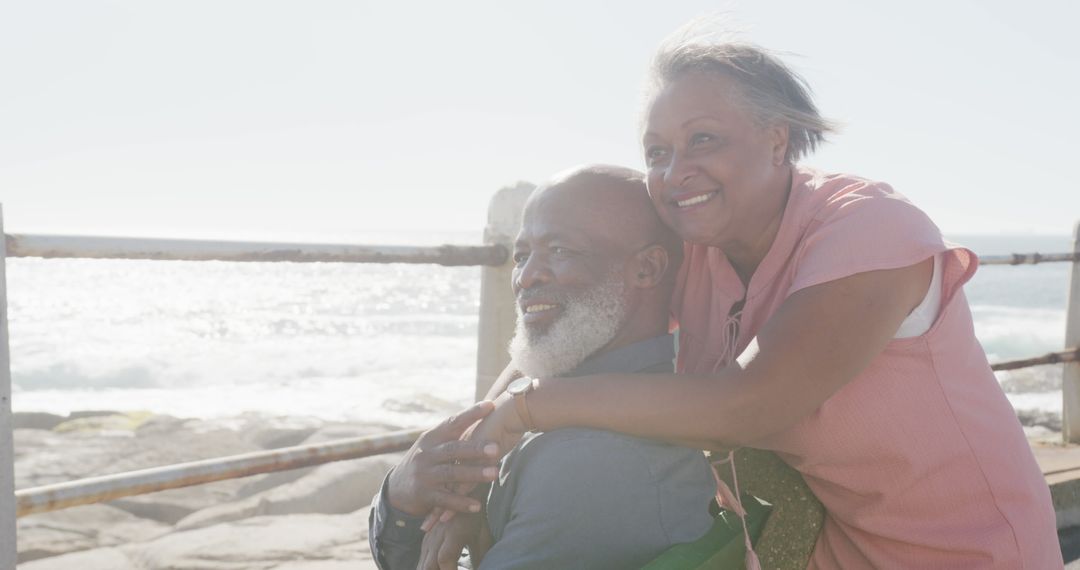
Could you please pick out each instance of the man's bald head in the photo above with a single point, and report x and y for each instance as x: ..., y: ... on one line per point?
x: 613, y: 201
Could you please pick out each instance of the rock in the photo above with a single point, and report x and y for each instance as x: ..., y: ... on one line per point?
x: 135, y: 532
x: 262, y: 483
x: 276, y: 438
x: 344, y: 430
x: 328, y: 432
x: 125, y: 422
x: 91, y: 413
x: 81, y: 528
x: 255, y: 485
x: 165, y: 509
x: 278, y: 432
x: 29, y: 441
x: 97, y: 559
x: 1040, y: 418
x: 270, y: 432
x: 175, y: 504
x: 341, y: 487
x: 1034, y: 379
x: 57, y: 458
x: 165, y: 425
x: 35, y: 420
x: 101, y: 445
x: 262, y: 543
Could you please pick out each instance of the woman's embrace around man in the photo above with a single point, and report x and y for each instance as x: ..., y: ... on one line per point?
x: 820, y: 316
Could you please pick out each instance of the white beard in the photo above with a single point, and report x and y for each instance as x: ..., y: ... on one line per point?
x: 589, y: 322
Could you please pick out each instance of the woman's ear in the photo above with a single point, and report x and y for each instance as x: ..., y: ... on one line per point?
x: 650, y: 266
x: 779, y: 135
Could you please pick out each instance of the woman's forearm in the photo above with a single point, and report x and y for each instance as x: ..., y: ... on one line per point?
x: 714, y: 411
x: 820, y: 339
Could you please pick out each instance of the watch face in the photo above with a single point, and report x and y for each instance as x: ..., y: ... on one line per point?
x: 519, y: 386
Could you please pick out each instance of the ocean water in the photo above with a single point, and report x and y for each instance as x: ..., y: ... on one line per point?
x: 384, y: 343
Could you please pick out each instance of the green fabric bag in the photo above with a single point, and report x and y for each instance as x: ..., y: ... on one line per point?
x: 723, y: 547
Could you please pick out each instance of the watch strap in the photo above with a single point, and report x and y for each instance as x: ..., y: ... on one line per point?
x: 521, y: 402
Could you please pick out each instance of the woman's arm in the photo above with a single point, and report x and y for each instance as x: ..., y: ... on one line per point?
x: 820, y: 339
x: 508, y: 375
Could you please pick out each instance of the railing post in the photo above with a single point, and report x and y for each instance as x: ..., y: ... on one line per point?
x: 497, y: 315
x: 7, y: 447
x: 1070, y: 381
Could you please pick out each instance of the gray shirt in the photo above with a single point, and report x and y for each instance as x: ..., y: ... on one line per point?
x: 579, y: 498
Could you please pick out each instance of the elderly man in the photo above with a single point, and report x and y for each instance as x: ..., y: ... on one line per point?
x: 594, y: 270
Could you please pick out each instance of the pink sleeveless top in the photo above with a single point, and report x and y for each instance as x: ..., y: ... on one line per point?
x: 920, y: 461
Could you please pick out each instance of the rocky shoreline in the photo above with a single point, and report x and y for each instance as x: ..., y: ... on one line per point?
x: 306, y: 519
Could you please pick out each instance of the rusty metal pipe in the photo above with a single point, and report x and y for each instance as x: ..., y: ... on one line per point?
x: 1027, y: 258
x: 107, y: 487
x: 52, y: 246
x: 1070, y: 355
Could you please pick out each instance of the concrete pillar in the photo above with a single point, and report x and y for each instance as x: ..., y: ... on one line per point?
x: 1070, y: 381
x: 7, y: 447
x: 497, y: 316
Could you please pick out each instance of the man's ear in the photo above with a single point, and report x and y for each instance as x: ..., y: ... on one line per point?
x: 649, y: 266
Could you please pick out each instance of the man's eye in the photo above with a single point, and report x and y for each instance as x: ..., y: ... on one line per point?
x: 557, y: 250
x: 701, y: 138
x: 520, y: 257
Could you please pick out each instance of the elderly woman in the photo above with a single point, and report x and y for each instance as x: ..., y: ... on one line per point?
x: 820, y: 316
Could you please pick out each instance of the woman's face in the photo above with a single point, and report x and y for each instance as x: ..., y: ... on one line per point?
x: 715, y: 175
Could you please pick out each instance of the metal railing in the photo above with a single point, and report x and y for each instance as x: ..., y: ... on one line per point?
x: 94, y: 247
x: 496, y: 322
x: 1071, y: 355
x: 107, y: 487
x: 1028, y: 258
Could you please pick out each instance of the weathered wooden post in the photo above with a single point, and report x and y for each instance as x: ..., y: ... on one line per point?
x: 1070, y: 381
x: 497, y: 316
x: 7, y: 447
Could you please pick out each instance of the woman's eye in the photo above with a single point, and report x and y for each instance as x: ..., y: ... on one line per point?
x: 654, y: 153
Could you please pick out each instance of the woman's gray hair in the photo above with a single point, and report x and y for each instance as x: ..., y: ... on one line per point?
x: 769, y: 88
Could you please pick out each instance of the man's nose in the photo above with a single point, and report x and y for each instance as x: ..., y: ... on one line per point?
x: 532, y: 273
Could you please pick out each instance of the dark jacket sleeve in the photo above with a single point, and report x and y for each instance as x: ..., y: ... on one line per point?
x: 395, y: 537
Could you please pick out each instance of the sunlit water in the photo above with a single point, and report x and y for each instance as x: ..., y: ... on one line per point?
x: 387, y: 343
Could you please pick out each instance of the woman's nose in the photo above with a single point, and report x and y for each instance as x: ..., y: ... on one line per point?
x: 679, y: 171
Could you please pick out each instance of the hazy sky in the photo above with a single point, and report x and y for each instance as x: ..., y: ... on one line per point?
x: 322, y: 119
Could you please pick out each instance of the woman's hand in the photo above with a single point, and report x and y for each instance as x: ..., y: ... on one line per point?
x: 503, y: 426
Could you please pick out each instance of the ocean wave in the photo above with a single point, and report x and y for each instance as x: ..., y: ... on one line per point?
x: 71, y: 375
x: 392, y: 342
x: 1017, y: 332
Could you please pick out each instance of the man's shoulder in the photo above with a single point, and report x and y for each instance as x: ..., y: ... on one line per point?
x: 559, y: 438
x: 593, y: 451
x: 628, y: 498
